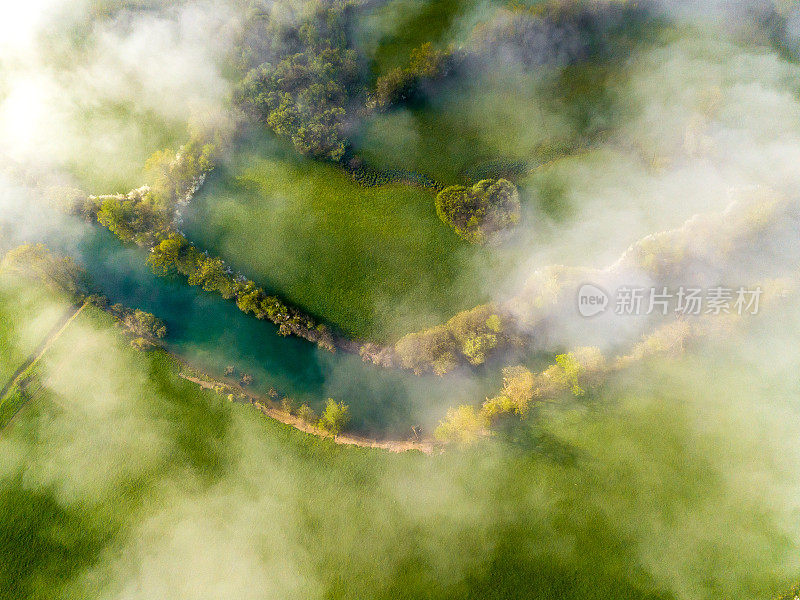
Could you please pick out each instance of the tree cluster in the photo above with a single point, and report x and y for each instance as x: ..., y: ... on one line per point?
x: 140, y: 323
x: 469, y: 338
x: 144, y: 215
x: 403, y: 84
x: 37, y: 261
x: 303, y: 94
x: 134, y: 217
x: 481, y: 212
x: 176, y: 255
x: 334, y: 418
x: 176, y: 177
x: 571, y: 374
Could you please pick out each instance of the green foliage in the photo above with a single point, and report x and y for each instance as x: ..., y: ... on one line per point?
x: 213, y: 276
x: 349, y: 254
x: 216, y: 456
x: 477, y: 348
x: 335, y: 417
x: 134, y: 217
x: 481, y: 212
x: 176, y: 255
x: 402, y: 84
x: 572, y: 370
x: 519, y: 387
x: 61, y: 273
x: 144, y: 216
x: 144, y: 325
x: 368, y: 176
x: 303, y: 96
x: 307, y: 414
x: 434, y: 350
x: 471, y: 336
x: 172, y: 255
x: 463, y: 425
x: 174, y: 177
x: 413, y: 23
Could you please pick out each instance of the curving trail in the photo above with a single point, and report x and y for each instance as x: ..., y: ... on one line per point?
x: 265, y: 406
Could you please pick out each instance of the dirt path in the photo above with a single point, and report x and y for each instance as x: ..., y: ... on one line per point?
x: 266, y: 407
x: 43, y: 347
x: 59, y: 328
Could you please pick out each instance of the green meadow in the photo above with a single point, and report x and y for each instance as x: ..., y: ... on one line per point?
x: 676, y: 478
x: 470, y: 130
x: 392, y: 30
x: 29, y: 312
x: 114, y: 141
x: 375, y: 262
x: 121, y: 480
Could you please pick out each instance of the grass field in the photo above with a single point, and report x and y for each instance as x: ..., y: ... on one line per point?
x: 469, y: 124
x: 374, y: 262
x: 29, y: 312
x: 111, y: 144
x: 120, y: 480
x: 396, y: 28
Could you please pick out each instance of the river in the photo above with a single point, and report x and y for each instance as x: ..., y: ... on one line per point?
x: 212, y: 333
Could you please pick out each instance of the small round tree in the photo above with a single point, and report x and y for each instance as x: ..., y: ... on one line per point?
x: 479, y: 213
x: 335, y: 418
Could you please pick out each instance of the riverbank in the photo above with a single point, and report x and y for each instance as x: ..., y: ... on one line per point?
x: 239, y: 393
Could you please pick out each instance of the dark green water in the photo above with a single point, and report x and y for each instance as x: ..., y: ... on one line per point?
x: 212, y: 333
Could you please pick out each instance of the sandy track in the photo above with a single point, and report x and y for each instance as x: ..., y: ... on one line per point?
x: 264, y: 405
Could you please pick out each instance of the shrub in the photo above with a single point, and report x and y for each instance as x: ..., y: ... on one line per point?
x: 463, y: 425
x: 335, y: 418
x: 402, y: 84
x: 307, y: 414
x: 480, y: 212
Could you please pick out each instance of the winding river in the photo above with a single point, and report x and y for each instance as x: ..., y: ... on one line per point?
x: 212, y: 333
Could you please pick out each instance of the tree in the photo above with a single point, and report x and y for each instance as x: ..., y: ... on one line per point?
x: 463, y: 424
x: 145, y: 324
x: 307, y: 414
x: 335, y: 418
x: 571, y: 369
x: 432, y: 350
x: 36, y: 260
x: 476, y: 348
x: 402, y: 84
x: 480, y: 212
x: 303, y: 94
x: 250, y: 299
x: 213, y: 276
x: 165, y: 257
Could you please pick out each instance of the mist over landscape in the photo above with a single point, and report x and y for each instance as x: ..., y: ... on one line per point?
x: 335, y: 299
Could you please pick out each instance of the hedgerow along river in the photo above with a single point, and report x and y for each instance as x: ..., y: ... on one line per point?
x: 212, y: 333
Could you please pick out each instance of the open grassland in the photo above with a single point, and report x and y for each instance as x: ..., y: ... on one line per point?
x: 120, y: 479
x: 396, y: 28
x: 28, y: 313
x: 113, y: 143
x: 471, y: 128
x: 375, y: 262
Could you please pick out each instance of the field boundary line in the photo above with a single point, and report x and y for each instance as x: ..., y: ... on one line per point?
x: 59, y: 328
